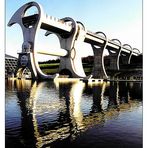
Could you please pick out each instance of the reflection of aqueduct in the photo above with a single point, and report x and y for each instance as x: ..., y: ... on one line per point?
x: 70, y: 33
x: 70, y: 116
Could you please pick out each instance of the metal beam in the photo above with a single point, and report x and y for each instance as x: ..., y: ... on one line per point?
x: 59, y: 52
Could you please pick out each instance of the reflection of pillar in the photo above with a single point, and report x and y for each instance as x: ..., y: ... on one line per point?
x: 64, y: 95
x: 113, y: 95
x: 27, y: 130
x: 75, y: 103
x: 123, y: 92
x: 96, y: 90
x: 10, y: 83
x: 71, y: 94
x: 135, y: 90
x: 63, y: 125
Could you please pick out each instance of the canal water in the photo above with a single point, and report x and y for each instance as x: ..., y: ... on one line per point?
x: 73, y: 114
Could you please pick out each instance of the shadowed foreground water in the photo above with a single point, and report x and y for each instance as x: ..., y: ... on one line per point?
x: 64, y: 114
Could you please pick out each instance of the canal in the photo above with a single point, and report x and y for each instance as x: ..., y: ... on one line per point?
x: 74, y: 114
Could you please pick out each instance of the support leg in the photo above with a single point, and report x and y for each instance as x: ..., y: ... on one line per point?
x: 114, y: 57
x: 99, y: 71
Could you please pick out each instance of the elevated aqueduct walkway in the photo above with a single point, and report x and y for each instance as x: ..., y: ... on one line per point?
x: 69, y: 33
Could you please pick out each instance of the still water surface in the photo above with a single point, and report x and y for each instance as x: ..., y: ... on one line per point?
x: 75, y: 114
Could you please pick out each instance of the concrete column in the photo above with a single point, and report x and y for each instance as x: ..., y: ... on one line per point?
x: 98, y: 68
x: 114, y: 57
x: 99, y: 71
x: 126, y: 57
x: 26, y: 57
x: 29, y: 29
x: 24, y: 60
x: 73, y: 61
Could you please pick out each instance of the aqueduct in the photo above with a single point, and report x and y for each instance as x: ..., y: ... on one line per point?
x: 69, y: 33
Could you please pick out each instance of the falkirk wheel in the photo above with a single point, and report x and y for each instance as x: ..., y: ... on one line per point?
x: 69, y: 33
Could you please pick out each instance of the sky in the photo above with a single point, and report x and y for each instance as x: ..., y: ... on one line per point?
x: 121, y: 19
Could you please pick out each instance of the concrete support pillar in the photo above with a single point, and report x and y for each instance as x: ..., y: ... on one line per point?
x: 73, y: 61
x: 114, y: 62
x: 29, y: 35
x: 24, y: 60
x: 114, y: 56
x: 126, y: 57
x: 26, y: 57
x: 99, y: 71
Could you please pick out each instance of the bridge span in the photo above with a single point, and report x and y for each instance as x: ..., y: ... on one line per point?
x: 70, y: 33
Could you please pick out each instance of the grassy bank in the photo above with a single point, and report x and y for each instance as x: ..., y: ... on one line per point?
x: 52, y: 68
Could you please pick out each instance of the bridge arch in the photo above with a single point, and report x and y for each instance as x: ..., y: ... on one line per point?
x: 29, y: 34
x: 45, y: 53
x: 73, y: 60
x: 114, y: 55
x: 125, y: 57
x: 135, y: 49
